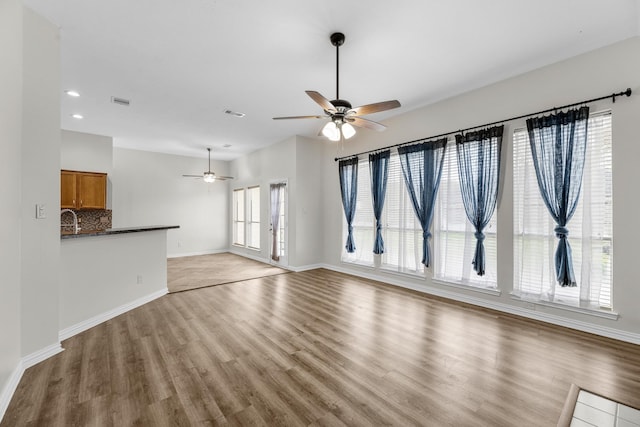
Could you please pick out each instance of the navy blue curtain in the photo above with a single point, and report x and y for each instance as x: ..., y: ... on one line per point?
x: 558, y: 146
x: 379, y: 169
x: 479, y: 173
x: 422, y: 169
x: 348, y: 171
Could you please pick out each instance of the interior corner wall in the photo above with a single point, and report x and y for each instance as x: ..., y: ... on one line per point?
x: 149, y: 189
x: 11, y: 16
x: 597, y: 73
x: 309, y: 212
x: 40, y: 184
x: 275, y: 163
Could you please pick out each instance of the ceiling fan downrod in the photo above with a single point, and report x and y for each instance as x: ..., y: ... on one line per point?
x: 337, y: 39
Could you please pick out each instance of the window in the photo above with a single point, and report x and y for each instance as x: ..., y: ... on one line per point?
x: 246, y: 217
x: 454, y: 242
x: 401, y: 231
x: 363, y: 221
x: 253, y: 217
x: 238, y: 217
x: 590, y: 228
x: 278, y: 247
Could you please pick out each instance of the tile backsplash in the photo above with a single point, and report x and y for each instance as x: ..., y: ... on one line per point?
x: 90, y: 219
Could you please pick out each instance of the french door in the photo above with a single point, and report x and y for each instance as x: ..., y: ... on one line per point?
x: 278, y: 252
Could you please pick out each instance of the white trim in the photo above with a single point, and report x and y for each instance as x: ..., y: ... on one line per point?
x: 554, y: 319
x: 210, y: 252
x: 265, y: 261
x: 23, y: 364
x: 40, y: 355
x: 96, y: 320
x: 250, y: 256
x: 305, y: 267
x: 489, y: 291
x: 10, y: 388
x: 612, y: 315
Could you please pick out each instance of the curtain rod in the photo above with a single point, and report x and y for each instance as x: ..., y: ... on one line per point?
x: 612, y: 96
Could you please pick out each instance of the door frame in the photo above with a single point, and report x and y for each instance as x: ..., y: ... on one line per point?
x: 284, y: 260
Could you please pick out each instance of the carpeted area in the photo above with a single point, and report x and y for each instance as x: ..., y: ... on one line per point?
x: 200, y: 271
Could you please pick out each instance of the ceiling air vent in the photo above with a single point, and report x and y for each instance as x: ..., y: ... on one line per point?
x: 120, y: 101
x: 234, y: 113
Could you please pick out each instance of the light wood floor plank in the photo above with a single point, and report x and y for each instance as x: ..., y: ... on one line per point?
x: 318, y: 348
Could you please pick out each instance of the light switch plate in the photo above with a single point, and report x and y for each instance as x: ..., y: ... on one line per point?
x: 41, y: 213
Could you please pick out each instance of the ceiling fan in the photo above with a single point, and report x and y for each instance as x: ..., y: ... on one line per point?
x: 342, y: 116
x: 209, y: 176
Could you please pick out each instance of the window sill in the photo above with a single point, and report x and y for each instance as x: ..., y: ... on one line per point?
x: 591, y: 311
x: 357, y: 264
x: 488, y: 291
x: 407, y: 274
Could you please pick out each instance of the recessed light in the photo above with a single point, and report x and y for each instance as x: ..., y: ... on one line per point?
x: 234, y: 113
x: 77, y: 116
x: 73, y: 93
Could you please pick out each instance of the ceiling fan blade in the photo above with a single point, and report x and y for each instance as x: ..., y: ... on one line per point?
x: 374, y: 108
x: 321, y: 101
x: 299, y: 117
x: 223, y: 178
x: 364, y: 123
x: 192, y: 176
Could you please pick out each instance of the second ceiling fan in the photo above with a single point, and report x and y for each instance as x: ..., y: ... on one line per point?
x: 340, y: 112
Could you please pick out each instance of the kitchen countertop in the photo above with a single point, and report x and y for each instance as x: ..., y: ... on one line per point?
x: 112, y: 231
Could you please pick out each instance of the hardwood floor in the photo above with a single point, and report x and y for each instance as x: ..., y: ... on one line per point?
x: 319, y: 348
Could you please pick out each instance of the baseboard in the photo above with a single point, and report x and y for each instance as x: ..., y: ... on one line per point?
x: 180, y: 255
x: 10, y: 388
x: 553, y: 319
x: 250, y: 256
x: 266, y: 261
x: 40, y: 355
x: 307, y: 267
x: 24, y: 364
x: 96, y: 320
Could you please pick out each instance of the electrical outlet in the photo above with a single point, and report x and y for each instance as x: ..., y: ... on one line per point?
x: 139, y: 280
x: 179, y: 243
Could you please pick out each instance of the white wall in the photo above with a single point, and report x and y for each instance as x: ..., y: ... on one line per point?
x: 275, y: 163
x: 594, y: 74
x: 11, y: 16
x: 86, y: 152
x: 149, y: 189
x: 100, y: 274
x: 309, y: 212
x: 40, y: 238
x: 296, y: 161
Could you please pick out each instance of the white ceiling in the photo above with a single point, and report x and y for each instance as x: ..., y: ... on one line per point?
x: 182, y: 63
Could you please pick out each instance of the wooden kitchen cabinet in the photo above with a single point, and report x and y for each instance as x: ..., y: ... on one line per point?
x: 83, y: 190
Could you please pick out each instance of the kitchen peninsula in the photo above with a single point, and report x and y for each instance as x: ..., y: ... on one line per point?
x: 105, y: 273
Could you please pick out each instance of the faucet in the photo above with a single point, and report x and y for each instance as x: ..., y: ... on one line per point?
x: 75, y: 220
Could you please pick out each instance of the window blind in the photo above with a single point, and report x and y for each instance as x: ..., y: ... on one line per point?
x: 590, y: 229
x: 253, y: 217
x: 454, y: 240
x: 363, y: 221
x: 238, y: 217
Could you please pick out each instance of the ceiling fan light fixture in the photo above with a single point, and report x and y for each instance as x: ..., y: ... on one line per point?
x: 209, y: 177
x: 331, y: 131
x: 347, y: 130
